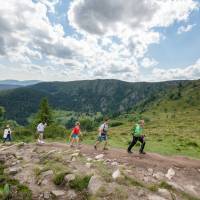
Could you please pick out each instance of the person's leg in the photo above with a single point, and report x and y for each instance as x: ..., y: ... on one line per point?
x: 142, y: 140
x: 9, y: 137
x: 72, y: 142
x: 77, y: 141
x: 105, y: 142
x: 134, y: 141
x: 97, y: 142
x: 4, y: 140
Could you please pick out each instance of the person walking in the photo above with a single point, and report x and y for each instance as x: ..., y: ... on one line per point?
x: 7, y: 134
x: 40, y: 130
x: 103, y: 135
x: 74, y: 137
x: 137, y: 136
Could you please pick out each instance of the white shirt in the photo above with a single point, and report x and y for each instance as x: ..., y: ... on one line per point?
x: 104, y: 128
x: 6, y: 132
x: 41, y: 127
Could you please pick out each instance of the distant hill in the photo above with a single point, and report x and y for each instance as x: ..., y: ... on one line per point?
x: 106, y: 96
x: 19, y: 83
x: 8, y: 87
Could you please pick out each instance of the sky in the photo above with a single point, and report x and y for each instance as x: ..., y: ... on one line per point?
x: 130, y: 40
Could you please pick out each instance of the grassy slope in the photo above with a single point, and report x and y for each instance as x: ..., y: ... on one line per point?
x: 172, y: 127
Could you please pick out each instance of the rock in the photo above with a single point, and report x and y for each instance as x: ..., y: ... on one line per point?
x: 141, y: 193
x: 158, y: 175
x: 198, y: 170
x: 150, y: 171
x: 47, y: 195
x: 95, y: 184
x: 175, y: 185
x: 164, y: 193
x: 114, y: 163
x: 116, y: 174
x: 47, y: 173
x: 71, y: 195
x: 155, y: 197
x: 14, y: 170
x: 44, y: 182
x: 58, y: 193
x: 191, y: 189
x: 100, y: 156
x: 69, y: 177
x: 73, y: 159
x: 146, y: 179
x: 75, y: 154
x: 88, y: 165
x: 170, y: 174
x: 89, y: 159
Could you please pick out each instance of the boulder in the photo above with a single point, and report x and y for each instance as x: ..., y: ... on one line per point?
x: 114, y: 163
x: 88, y: 165
x: 71, y: 195
x: 170, y: 174
x: 47, y: 195
x: 58, y: 193
x: 100, y: 156
x: 95, y: 184
x: 69, y: 177
x: 150, y: 171
x: 116, y: 174
x: 158, y: 175
x: 47, y: 173
x: 155, y: 197
x: 14, y: 170
x: 164, y: 193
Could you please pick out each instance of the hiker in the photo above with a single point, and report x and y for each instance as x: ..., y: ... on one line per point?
x: 7, y: 134
x: 74, y: 137
x: 137, y: 135
x: 103, y: 135
x: 40, y: 130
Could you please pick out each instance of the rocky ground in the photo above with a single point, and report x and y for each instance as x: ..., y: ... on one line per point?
x: 56, y: 171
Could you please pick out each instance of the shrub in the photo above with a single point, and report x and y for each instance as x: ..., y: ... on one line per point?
x: 80, y: 183
x: 59, y: 178
x: 87, y: 124
x: 55, y: 131
x: 114, y: 124
x: 22, y: 133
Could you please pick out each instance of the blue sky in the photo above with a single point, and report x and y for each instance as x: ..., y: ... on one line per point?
x: 133, y: 40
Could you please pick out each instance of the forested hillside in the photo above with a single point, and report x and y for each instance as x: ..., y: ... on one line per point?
x: 106, y: 96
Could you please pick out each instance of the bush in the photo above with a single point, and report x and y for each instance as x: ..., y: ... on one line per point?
x: 87, y: 124
x: 54, y: 131
x: 114, y: 124
x: 22, y: 133
x: 59, y: 178
x: 80, y: 183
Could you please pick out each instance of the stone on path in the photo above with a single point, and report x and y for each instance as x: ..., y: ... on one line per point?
x: 170, y: 174
x: 69, y: 177
x: 95, y: 184
x: 100, y: 156
x: 116, y: 174
x: 58, y: 193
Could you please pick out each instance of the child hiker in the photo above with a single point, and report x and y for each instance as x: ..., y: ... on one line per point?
x: 74, y: 137
x: 7, y: 134
x: 137, y: 135
x: 103, y: 135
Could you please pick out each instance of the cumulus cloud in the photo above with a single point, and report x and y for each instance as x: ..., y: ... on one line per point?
x: 189, y: 72
x: 149, y: 62
x: 184, y: 29
x: 110, y: 37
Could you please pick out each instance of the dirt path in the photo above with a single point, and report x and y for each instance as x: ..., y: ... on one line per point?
x: 147, y: 160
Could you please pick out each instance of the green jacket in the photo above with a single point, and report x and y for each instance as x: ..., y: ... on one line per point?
x: 137, y: 130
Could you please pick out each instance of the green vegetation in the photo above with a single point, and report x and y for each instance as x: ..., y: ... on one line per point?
x: 59, y: 178
x: 80, y: 183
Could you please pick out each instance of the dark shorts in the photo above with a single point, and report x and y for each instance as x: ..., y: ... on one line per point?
x: 40, y: 132
x: 102, y: 138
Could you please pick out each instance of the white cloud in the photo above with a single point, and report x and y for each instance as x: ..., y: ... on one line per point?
x: 115, y: 34
x: 149, y: 62
x: 187, y: 28
x: 189, y: 72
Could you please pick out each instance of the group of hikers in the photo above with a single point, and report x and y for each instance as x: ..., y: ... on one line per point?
x: 76, y: 133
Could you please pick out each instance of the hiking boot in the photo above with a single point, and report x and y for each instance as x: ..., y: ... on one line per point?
x: 105, y: 148
x: 95, y: 147
x: 142, y: 152
x: 129, y: 151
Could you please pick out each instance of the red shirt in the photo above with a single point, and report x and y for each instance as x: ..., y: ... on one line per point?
x: 76, y: 130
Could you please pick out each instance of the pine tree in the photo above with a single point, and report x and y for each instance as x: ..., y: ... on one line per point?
x: 44, y: 113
